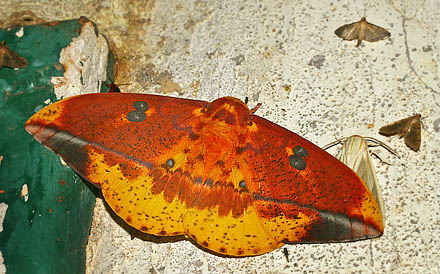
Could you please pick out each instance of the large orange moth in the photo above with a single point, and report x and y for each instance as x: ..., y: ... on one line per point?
x: 235, y: 183
x: 408, y: 128
x: 362, y: 30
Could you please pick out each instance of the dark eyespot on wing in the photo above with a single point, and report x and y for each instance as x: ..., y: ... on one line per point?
x: 297, y: 162
x: 300, y: 151
x: 136, y: 116
x: 140, y: 105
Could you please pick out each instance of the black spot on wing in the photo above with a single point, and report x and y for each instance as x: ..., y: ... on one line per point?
x: 297, y: 162
x: 300, y: 151
x: 141, y: 105
x: 136, y: 116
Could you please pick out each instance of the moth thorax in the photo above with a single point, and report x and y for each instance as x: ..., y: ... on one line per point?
x: 229, y: 110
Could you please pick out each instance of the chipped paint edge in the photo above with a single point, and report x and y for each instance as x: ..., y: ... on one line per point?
x: 85, y: 64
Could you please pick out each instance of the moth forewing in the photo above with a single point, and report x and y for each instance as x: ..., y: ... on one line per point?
x: 9, y: 58
x: 413, y: 138
x: 393, y: 128
x: 373, y: 33
x: 409, y: 128
x: 348, y: 32
x: 355, y: 154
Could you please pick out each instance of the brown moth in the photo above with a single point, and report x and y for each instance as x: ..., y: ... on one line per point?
x: 408, y: 128
x: 9, y: 58
x: 362, y: 30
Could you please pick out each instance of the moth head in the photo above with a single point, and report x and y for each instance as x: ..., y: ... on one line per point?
x: 229, y: 110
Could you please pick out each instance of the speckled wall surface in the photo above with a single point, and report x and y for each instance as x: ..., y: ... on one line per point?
x: 284, y: 55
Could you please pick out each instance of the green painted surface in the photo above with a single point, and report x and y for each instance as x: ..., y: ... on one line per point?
x: 47, y: 233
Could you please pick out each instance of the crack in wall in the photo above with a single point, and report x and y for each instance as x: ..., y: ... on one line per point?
x: 410, y: 61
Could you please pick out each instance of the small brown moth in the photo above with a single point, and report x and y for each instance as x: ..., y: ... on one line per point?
x: 9, y: 58
x: 409, y: 128
x: 362, y: 30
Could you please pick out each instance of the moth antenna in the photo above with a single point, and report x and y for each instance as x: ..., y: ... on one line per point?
x: 254, y: 109
x: 337, y: 141
x: 382, y: 144
x: 423, y: 124
x: 380, y: 158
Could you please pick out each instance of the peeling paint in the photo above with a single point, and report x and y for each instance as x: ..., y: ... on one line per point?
x: 85, y: 63
x: 2, y: 265
x: 24, y: 192
x: 3, y: 209
x: 62, y: 162
x: 20, y: 32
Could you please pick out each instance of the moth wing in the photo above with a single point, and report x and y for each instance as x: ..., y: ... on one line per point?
x: 223, y: 217
x: 228, y: 226
x: 397, y: 127
x: 413, y: 134
x: 9, y: 58
x: 279, y: 204
x: 348, y: 32
x: 299, y: 198
x: 126, y: 159
x: 2, y: 55
x: 373, y: 33
x: 356, y: 155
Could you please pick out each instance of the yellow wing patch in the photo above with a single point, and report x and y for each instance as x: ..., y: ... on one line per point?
x: 134, y: 201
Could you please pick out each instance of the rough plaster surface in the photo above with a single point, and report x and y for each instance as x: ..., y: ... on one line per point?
x: 285, y: 55
x: 85, y: 63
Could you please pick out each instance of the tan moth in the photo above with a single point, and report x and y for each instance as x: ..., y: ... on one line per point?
x: 408, y: 128
x: 362, y: 30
